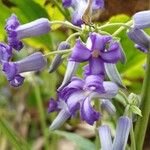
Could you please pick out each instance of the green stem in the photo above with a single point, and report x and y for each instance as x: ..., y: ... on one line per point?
x: 58, y: 52
x: 114, y: 24
x: 67, y: 24
x: 142, y: 122
x: 41, y: 113
x: 129, y: 23
x: 72, y: 36
x: 133, y: 145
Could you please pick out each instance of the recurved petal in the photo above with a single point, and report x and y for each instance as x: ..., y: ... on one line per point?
x: 60, y: 119
x: 141, y: 19
x: 105, y: 137
x: 111, y: 89
x: 98, y: 41
x: 80, y: 52
x: 122, y: 133
x: 17, y: 81
x: 113, y: 54
x: 88, y: 113
x: 74, y: 100
x: 70, y: 72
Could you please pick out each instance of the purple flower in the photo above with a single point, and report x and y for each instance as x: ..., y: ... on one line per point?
x: 34, y: 62
x: 141, y: 19
x: 16, y: 31
x: 5, y: 52
x: 58, y: 58
x: 79, y: 7
x: 96, y: 52
x: 78, y: 94
x: 121, y: 137
x: 140, y: 38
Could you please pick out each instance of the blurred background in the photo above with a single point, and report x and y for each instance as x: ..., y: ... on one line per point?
x: 24, y: 109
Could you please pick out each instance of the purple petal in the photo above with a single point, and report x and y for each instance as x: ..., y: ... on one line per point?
x: 98, y: 41
x: 53, y: 105
x: 68, y: 3
x: 34, y: 28
x: 141, y: 38
x: 96, y: 66
x: 141, y: 48
x: 113, y: 54
x: 122, y: 132
x: 11, y: 24
x: 60, y: 119
x: 94, y: 83
x: 10, y: 70
x: 141, y: 19
x: 58, y: 58
x: 5, y: 52
x: 74, y: 100
x: 88, y: 113
x: 105, y: 137
x: 76, y: 84
x: 111, y: 90
x: 108, y: 106
x: 98, y: 4
x: 33, y: 62
x: 78, y: 13
x: 17, y: 81
x: 70, y: 72
x: 80, y: 52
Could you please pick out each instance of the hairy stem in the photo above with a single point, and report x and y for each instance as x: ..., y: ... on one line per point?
x: 142, y: 122
x: 58, y: 52
x: 66, y: 24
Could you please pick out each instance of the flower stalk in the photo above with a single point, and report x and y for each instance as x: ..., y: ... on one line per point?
x: 142, y: 122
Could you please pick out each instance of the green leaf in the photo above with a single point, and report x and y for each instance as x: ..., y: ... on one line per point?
x: 136, y: 110
x: 17, y: 141
x: 82, y: 143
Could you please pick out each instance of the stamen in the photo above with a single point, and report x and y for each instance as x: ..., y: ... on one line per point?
x: 95, y: 53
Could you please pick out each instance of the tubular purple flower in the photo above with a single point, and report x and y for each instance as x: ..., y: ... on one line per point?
x: 60, y: 119
x: 141, y: 19
x: 113, y: 74
x: 58, y: 58
x: 5, y: 52
x: 70, y: 72
x: 34, y: 62
x: 122, y: 132
x: 16, y: 32
x: 108, y: 106
x: 140, y: 38
x: 105, y: 137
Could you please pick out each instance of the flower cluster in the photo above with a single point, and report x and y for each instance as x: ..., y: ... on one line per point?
x: 75, y: 93
x: 16, y: 32
x: 136, y: 33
